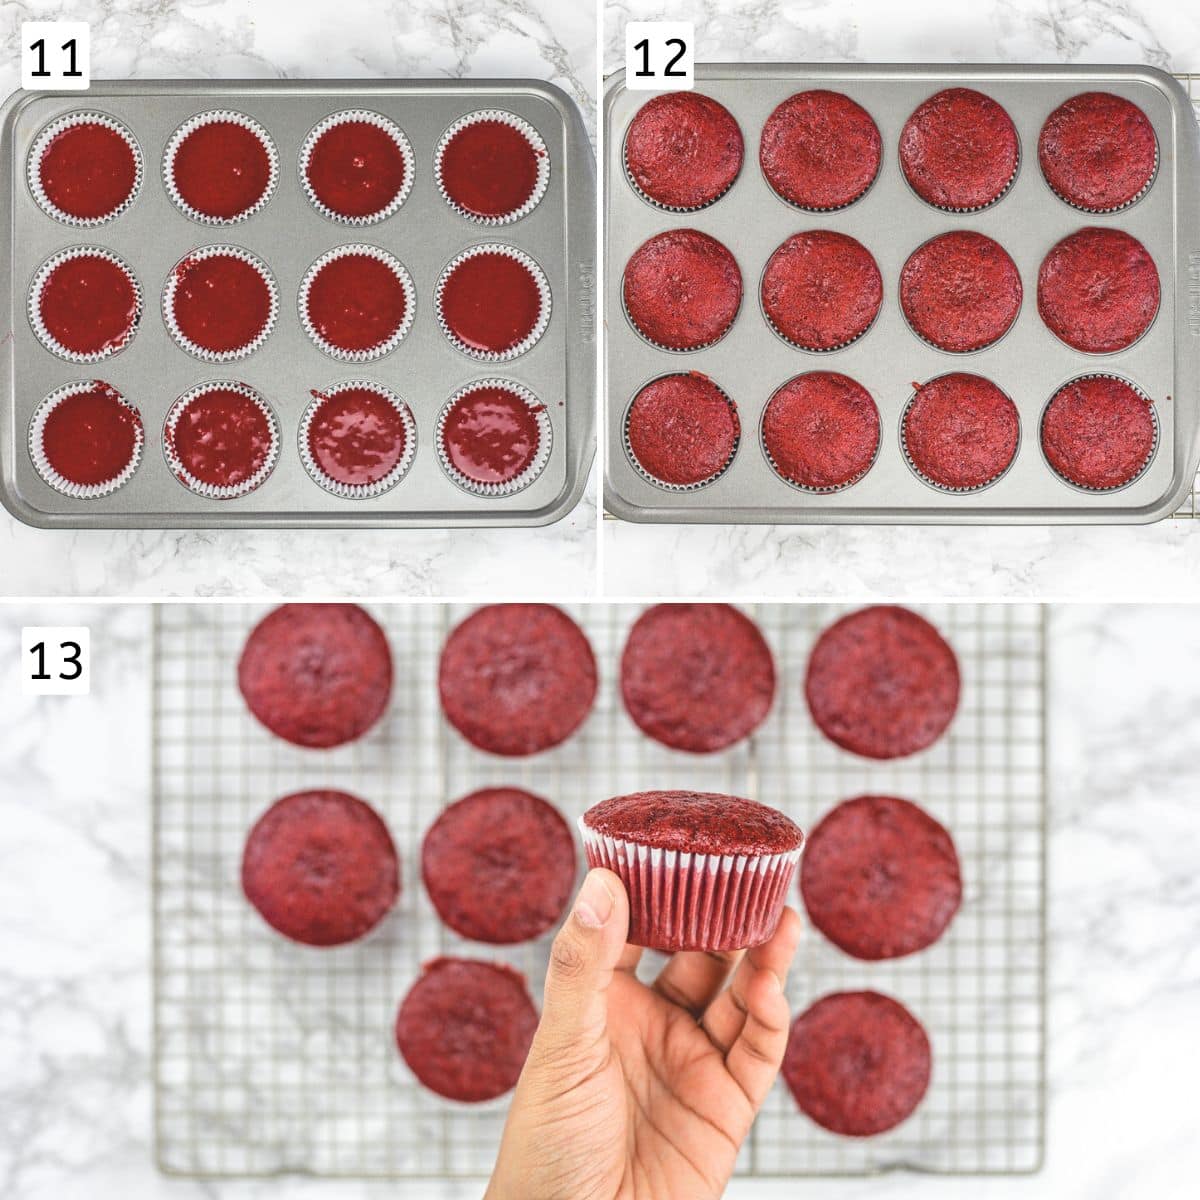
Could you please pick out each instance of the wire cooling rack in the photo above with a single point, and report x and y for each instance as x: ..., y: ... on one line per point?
x: 271, y: 1057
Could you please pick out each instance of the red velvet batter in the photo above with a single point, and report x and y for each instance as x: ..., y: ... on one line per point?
x: 682, y: 428
x: 222, y: 437
x: 356, y: 436
x: 89, y: 305
x: 221, y: 302
x: 489, y: 169
x: 221, y: 169
x: 356, y: 169
x: 87, y: 170
x: 491, y: 302
x: 491, y: 435
x: 89, y: 438
x: 356, y: 302
x: 1098, y: 432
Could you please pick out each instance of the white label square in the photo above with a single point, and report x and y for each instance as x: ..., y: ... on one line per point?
x: 660, y: 56
x: 56, y: 660
x: 56, y: 56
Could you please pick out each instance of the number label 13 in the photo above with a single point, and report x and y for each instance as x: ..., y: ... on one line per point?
x: 56, y: 660
x: 660, y: 56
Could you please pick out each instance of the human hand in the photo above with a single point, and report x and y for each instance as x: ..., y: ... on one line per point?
x: 636, y: 1092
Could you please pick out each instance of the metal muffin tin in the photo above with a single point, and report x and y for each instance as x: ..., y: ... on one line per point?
x: 289, y: 234
x: 1029, y: 362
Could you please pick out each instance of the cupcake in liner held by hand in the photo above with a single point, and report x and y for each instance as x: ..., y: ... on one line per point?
x: 703, y: 871
x: 85, y: 168
x: 85, y: 304
x: 492, y: 167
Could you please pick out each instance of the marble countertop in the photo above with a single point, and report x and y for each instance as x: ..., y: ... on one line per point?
x: 1124, y: 917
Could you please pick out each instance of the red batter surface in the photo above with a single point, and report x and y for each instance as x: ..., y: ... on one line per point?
x: 357, y: 436
x: 491, y: 302
x: 858, y: 1063
x: 321, y: 868
x: 87, y: 170
x: 356, y: 169
x: 1098, y: 432
x: 90, y: 438
x: 882, y: 682
x: 356, y: 302
x: 221, y: 302
x: 499, y: 865
x: 682, y: 428
x: 222, y: 437
x: 515, y: 679
x: 820, y: 150
x: 89, y: 305
x: 317, y: 675
x: 221, y: 169
x: 491, y: 435
x: 489, y: 169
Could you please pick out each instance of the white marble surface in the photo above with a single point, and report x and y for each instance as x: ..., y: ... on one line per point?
x: 1156, y: 562
x: 1124, y: 955
x: 285, y: 39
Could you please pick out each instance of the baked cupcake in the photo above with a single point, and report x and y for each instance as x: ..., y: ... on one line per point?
x: 357, y: 439
x: 959, y: 150
x: 492, y: 167
x: 1098, y: 290
x: 220, y: 303
x: 220, y: 167
x: 85, y: 168
x: 880, y: 878
x: 683, y: 151
x: 493, y: 302
x: 697, y: 677
x: 682, y: 431
x: 493, y: 437
x: 85, y: 304
x: 1099, y: 432
x: 857, y: 1063
x: 682, y: 290
x: 515, y: 679
x: 499, y: 865
x: 321, y: 868
x: 882, y: 682
x: 703, y: 871
x: 465, y: 1028
x: 1098, y: 152
x: 316, y: 675
x: 960, y: 291
x: 356, y: 167
x: 821, y: 290
x: 820, y: 431
x: 960, y: 432
x: 820, y: 150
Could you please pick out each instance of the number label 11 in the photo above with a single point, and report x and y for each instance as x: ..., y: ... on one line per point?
x: 660, y: 56
x: 55, y: 56
x: 56, y: 660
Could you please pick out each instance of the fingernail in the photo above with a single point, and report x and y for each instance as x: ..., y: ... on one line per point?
x: 594, y: 904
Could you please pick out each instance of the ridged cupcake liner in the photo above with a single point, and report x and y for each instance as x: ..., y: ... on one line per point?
x: 37, y: 285
x: 675, y: 209
x: 678, y: 349
x: 540, y: 281
x: 787, y: 341
x: 371, y: 118
x: 398, y: 335
x: 541, y: 454
x: 361, y: 491
x: 530, y: 134
x: 687, y: 901
x: 803, y: 487
x: 67, y: 487
x: 43, y: 139
x: 1117, y: 208
x: 172, y: 285
x: 975, y: 207
x: 185, y: 477
x: 208, y: 118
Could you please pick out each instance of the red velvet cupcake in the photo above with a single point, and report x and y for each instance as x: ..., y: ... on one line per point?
x: 356, y: 167
x: 493, y: 302
x: 492, y: 167
x: 820, y: 150
x: 959, y: 150
x: 85, y: 168
x: 960, y: 432
x: 493, y: 437
x: 220, y: 303
x: 703, y: 871
x: 683, y: 151
x: 682, y: 431
x: 960, y: 291
x: 821, y: 290
x: 1098, y: 290
x: 1099, y: 432
x: 220, y: 167
x: 85, y: 304
x: 682, y: 290
x: 820, y: 431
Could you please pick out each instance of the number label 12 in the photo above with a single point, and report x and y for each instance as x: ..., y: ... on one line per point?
x: 659, y: 55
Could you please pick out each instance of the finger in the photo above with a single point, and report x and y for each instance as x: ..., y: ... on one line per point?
x: 756, y: 1054
x: 693, y: 977
x: 630, y: 957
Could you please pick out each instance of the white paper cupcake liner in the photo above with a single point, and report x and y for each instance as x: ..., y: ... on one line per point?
x: 530, y: 134
x: 208, y: 490
x: 43, y: 139
x: 677, y: 209
x: 540, y: 281
x: 362, y: 491
x: 38, y: 284
x: 373, y: 352
x: 172, y: 285
x: 371, y: 118
x: 684, y: 901
x: 1116, y: 208
x: 541, y: 454
x: 208, y: 118
x: 67, y: 487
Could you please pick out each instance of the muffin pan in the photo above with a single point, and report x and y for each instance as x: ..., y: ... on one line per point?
x: 288, y: 234
x: 1028, y: 363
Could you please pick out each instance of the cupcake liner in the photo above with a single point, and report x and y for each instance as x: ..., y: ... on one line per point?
x: 976, y: 207
x: 803, y: 487
x: 67, y: 487
x: 38, y: 283
x: 208, y: 490
x: 677, y: 209
x: 374, y: 352
x: 361, y: 491
x: 172, y: 285
x: 680, y: 900
x: 208, y: 118
x: 530, y: 134
x: 372, y: 118
x: 787, y: 341
x: 679, y: 349
x: 539, y: 279
x: 1117, y: 208
x: 541, y: 455
x: 43, y: 139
